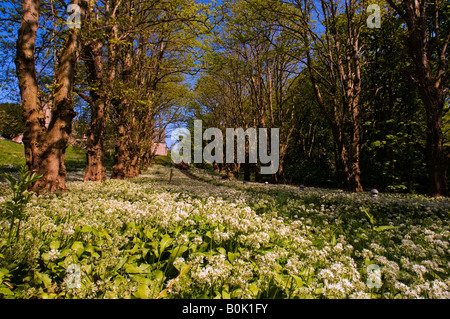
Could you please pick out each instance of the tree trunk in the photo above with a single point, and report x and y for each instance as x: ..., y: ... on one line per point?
x: 45, y: 149
x: 121, y: 156
x: 33, y: 116
x: 427, y: 44
x: 125, y: 111
x: 435, y: 154
x: 95, y: 153
x: 247, y: 171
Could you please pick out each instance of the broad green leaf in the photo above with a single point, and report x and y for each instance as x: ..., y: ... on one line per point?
x: 134, y: 269
x: 383, y: 228
x: 86, y: 229
x: 91, y: 249
x: 254, y: 289
x: 43, y: 278
x: 164, y: 243
x: 120, y: 263
x: 6, y: 291
x: 222, y: 250
x: 149, y: 233
x: 78, y: 247
x: 226, y: 295
x: 159, y: 275
x: 45, y: 257
x: 178, y: 251
x: 298, y: 280
x: 231, y: 256
x: 318, y: 291
x: 142, y: 292
x: 55, y: 245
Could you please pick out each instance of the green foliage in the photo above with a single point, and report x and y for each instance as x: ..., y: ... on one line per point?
x: 14, y: 209
x: 145, y: 238
x: 11, y: 155
x: 10, y: 120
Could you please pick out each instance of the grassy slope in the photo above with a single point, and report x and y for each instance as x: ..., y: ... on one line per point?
x: 12, y: 156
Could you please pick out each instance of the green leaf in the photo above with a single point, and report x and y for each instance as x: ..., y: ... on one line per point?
x: 134, y: 269
x: 45, y: 257
x: 159, y: 276
x: 164, y: 243
x: 78, y: 247
x: 298, y: 280
x: 86, y: 229
x: 149, y: 233
x: 41, y: 278
x: 142, y: 292
x: 120, y: 264
x: 10, y: 179
x: 254, y: 289
x: 55, y: 245
x: 226, y: 295
x: 222, y: 251
x: 384, y: 228
x: 178, y: 251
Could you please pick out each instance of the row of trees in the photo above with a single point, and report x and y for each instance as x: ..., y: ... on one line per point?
x: 347, y: 98
x: 125, y: 60
x: 354, y: 105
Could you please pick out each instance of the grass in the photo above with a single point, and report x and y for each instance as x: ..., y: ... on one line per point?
x: 12, y: 156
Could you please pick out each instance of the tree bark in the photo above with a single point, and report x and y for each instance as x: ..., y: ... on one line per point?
x: 340, y: 88
x: 33, y: 116
x: 95, y: 153
x: 427, y: 44
x: 435, y: 154
x: 121, y: 156
x: 45, y: 149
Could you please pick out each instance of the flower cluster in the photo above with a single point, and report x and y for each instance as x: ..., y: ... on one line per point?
x: 223, y: 239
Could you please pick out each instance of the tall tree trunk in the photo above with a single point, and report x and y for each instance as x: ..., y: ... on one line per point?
x: 340, y: 88
x: 33, y: 116
x: 45, y: 149
x: 247, y: 171
x: 427, y: 44
x: 435, y: 154
x: 125, y: 111
x: 95, y: 153
x: 121, y: 156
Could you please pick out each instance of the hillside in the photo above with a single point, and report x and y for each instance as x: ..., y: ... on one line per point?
x: 12, y: 156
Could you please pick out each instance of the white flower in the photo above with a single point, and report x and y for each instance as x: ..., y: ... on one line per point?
x: 179, y: 262
x: 338, y: 248
x: 53, y: 254
x: 197, y: 240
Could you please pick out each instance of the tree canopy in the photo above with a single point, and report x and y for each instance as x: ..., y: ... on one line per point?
x: 356, y: 106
